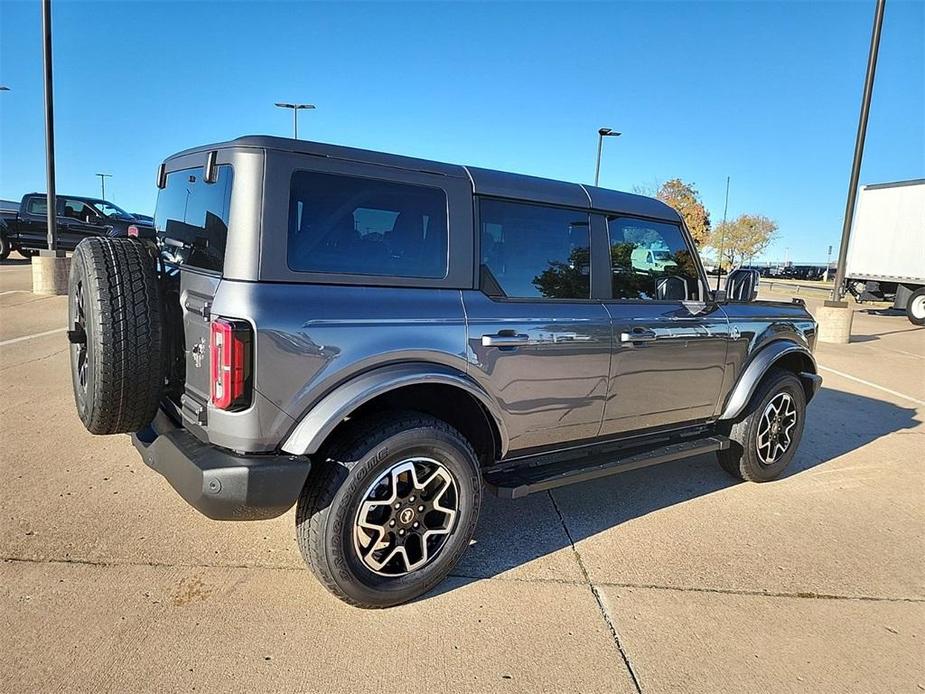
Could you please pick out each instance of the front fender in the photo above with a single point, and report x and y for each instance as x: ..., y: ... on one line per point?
x: 758, y: 367
x: 312, y: 430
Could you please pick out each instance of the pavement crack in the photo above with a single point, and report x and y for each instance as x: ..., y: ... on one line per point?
x: 601, y: 606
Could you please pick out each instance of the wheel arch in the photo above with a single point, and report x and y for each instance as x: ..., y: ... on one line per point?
x: 430, y: 388
x: 782, y: 354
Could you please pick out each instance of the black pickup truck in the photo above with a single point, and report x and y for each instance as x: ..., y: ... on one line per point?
x: 26, y: 230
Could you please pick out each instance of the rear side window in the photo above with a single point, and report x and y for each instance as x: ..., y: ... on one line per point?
x: 364, y: 226
x: 530, y: 251
x: 191, y: 218
x: 37, y: 206
x: 651, y: 261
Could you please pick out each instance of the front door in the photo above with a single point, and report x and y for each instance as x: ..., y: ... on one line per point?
x: 536, y: 341
x: 669, y: 337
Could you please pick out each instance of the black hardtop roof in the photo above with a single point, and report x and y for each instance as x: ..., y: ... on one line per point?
x: 484, y: 181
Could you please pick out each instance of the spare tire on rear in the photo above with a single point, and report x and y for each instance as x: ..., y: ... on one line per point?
x: 114, y: 326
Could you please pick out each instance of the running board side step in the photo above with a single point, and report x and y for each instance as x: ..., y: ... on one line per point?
x: 528, y: 478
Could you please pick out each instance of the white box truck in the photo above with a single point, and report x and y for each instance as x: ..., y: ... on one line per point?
x: 886, y: 254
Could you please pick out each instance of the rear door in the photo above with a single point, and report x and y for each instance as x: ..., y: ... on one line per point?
x: 32, y: 225
x: 670, y: 338
x: 540, y: 345
x: 191, y: 220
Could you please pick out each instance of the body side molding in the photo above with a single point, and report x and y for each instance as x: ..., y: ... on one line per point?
x: 315, y: 426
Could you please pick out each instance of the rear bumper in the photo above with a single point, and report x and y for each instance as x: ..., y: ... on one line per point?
x: 216, y: 482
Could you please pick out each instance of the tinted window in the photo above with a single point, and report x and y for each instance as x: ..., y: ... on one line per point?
x: 532, y: 251
x: 81, y: 211
x: 37, y: 206
x: 191, y: 218
x: 650, y: 260
x: 364, y: 226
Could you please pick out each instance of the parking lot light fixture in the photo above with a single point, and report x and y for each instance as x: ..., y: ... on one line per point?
x: 601, y: 134
x: 295, y: 114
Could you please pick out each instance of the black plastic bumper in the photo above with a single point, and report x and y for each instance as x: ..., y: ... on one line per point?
x: 217, y: 483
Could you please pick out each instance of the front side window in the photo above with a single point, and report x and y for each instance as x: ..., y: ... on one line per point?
x: 651, y: 261
x: 191, y: 218
x: 364, y: 226
x: 81, y: 211
x: 530, y: 251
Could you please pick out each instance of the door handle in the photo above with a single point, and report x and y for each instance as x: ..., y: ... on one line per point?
x: 639, y: 335
x: 501, y: 340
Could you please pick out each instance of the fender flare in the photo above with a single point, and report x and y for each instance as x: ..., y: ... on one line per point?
x: 317, y: 424
x: 758, y: 367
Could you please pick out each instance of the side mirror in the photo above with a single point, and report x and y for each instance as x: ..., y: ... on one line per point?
x: 742, y: 285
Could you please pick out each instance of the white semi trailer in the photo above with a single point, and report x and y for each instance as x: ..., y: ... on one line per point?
x: 886, y: 255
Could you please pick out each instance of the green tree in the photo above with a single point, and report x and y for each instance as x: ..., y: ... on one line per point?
x: 685, y: 198
x: 744, y: 237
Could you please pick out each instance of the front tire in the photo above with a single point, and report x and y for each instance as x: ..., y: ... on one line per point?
x: 915, y: 307
x: 389, y: 509
x: 764, y: 439
x: 27, y: 253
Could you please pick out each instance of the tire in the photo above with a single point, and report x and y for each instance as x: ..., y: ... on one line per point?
x: 4, y: 247
x: 329, y: 509
x: 27, y: 252
x: 745, y: 459
x: 915, y: 307
x: 114, y: 325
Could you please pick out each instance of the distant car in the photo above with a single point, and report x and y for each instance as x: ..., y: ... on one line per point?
x: 26, y: 228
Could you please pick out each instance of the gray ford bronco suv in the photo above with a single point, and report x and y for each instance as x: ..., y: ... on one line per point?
x: 377, y: 339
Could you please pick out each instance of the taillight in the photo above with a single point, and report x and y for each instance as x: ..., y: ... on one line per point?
x: 133, y: 231
x: 230, y: 364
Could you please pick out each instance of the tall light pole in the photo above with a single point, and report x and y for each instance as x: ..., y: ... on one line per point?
x: 49, y: 126
x: 722, y: 238
x: 103, y: 178
x: 601, y: 134
x: 838, y: 291
x: 295, y: 114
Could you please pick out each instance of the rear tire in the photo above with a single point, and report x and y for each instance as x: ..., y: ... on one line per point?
x: 361, y: 546
x: 27, y: 253
x: 114, y: 325
x: 764, y: 439
x: 4, y: 247
x: 915, y: 307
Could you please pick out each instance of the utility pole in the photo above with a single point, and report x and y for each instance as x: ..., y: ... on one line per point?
x: 601, y: 134
x: 49, y: 127
x: 722, y: 239
x: 103, y: 178
x: 838, y: 291
x: 295, y: 114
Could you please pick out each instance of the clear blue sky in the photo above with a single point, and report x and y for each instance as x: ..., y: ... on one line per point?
x: 767, y: 93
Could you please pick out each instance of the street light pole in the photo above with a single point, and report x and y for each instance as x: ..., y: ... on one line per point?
x: 838, y: 291
x: 601, y: 134
x: 103, y: 178
x: 295, y: 114
x: 49, y: 127
x: 722, y: 239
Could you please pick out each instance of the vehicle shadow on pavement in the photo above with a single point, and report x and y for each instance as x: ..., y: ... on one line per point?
x: 16, y: 261
x: 513, y: 533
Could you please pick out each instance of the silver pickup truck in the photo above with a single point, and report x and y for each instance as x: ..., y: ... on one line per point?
x: 378, y: 339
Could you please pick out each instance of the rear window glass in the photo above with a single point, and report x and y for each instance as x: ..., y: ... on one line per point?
x: 191, y: 218
x: 37, y: 206
x: 363, y: 226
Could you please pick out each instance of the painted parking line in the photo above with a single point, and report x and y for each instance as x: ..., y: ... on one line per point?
x: 873, y: 385
x: 32, y: 337
x: 15, y: 291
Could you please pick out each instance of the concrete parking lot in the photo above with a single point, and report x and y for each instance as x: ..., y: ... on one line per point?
x: 673, y: 578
